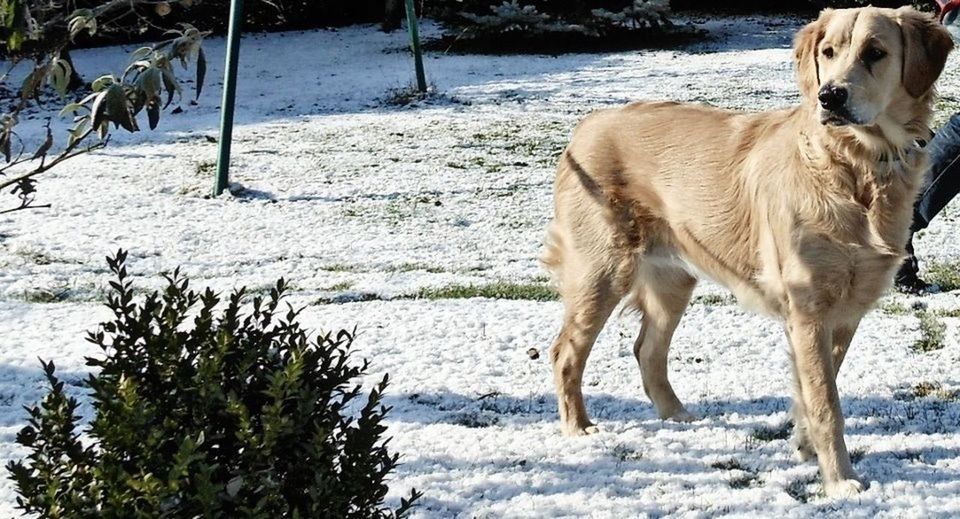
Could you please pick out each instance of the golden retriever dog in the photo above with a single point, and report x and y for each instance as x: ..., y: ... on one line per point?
x: 802, y: 213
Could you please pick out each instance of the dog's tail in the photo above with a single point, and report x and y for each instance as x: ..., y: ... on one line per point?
x: 552, y: 255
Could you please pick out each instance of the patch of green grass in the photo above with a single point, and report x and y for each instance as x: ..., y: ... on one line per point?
x: 474, y: 420
x: 799, y: 489
x: 728, y: 464
x: 745, y: 478
x: 744, y: 481
x: 414, y: 267
x: 856, y: 455
x: 35, y: 256
x: 894, y: 308
x: 516, y: 222
x: 359, y: 297
x: 768, y: 434
x: 924, y: 389
x: 932, y: 332
x: 625, y: 453
x: 482, y: 162
x: 397, y: 210
x: 408, y: 95
x: 947, y: 312
x: 483, y: 267
x: 73, y: 293
x: 909, y: 454
x: 496, y: 290
x: 530, y: 147
x: 393, y: 210
x: 541, y: 144
x: 205, y: 168
x: 713, y: 300
x: 44, y: 295
x: 343, y: 285
x: 943, y: 108
x: 944, y: 275
x: 935, y: 390
x: 341, y: 267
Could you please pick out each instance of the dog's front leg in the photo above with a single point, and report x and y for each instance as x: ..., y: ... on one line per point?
x: 842, y: 336
x: 818, y: 401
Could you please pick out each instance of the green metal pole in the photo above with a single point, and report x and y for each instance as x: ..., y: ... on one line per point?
x: 415, y: 42
x: 229, y: 96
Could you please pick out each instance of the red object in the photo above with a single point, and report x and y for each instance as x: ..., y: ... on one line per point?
x: 946, y: 6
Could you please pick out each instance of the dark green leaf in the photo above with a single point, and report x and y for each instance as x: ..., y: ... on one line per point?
x: 153, y: 114
x: 201, y: 70
x: 99, y: 110
x: 5, y: 145
x: 170, y: 83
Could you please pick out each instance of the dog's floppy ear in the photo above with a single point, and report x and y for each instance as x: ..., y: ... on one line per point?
x: 926, y: 45
x: 805, y: 54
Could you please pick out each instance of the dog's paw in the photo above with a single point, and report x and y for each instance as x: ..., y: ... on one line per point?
x: 580, y: 429
x: 844, y: 488
x: 682, y: 416
x: 802, y: 450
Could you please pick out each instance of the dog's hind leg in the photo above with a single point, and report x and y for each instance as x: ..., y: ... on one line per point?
x: 589, y: 300
x: 662, y: 294
x: 591, y: 279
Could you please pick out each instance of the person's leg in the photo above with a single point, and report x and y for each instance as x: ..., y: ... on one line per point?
x: 908, y: 277
x: 941, y: 184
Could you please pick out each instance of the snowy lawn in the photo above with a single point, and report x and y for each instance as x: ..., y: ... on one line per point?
x: 380, y: 215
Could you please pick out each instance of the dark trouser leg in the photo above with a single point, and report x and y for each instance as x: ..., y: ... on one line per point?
x: 943, y: 181
x: 907, y: 278
x: 941, y: 184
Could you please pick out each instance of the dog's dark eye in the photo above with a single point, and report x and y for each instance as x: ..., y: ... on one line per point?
x: 873, y: 54
x: 827, y: 52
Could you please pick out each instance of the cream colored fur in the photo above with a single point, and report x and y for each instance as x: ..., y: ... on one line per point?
x: 799, y: 216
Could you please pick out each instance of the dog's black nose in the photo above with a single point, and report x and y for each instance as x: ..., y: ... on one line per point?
x: 832, y: 98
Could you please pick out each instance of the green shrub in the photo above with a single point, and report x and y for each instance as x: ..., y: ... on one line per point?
x: 200, y: 412
x: 504, y: 26
x: 944, y: 275
x: 932, y: 332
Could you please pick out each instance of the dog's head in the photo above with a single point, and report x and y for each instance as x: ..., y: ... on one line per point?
x: 859, y: 66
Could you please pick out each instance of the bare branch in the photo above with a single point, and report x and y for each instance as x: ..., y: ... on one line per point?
x: 24, y: 207
x: 66, y: 154
x: 114, y: 100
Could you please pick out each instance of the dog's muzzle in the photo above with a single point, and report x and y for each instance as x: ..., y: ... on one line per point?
x: 833, y: 105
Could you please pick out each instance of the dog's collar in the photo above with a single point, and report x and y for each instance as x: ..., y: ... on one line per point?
x: 918, y: 145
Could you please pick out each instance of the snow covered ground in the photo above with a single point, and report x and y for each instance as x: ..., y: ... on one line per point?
x: 356, y: 200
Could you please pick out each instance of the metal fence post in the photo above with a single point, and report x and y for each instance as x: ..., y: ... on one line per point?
x: 415, y: 43
x: 229, y: 96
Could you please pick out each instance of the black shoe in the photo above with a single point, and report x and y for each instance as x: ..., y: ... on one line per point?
x: 908, y: 282
x: 907, y: 279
